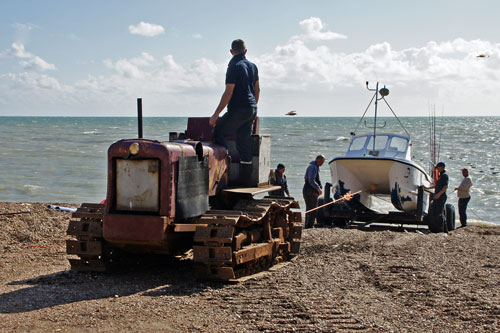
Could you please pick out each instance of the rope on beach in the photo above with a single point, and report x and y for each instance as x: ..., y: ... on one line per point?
x: 348, y: 196
x: 15, y: 213
x: 45, y: 246
x: 479, y: 217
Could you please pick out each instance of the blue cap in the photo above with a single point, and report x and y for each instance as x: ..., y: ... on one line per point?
x: 440, y: 164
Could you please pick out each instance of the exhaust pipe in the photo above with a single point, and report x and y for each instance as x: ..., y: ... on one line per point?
x: 139, y: 116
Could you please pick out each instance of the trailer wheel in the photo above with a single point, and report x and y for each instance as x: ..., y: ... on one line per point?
x: 321, y: 219
x: 449, y: 210
x: 435, y: 223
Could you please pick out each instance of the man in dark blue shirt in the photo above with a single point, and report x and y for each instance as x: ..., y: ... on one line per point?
x: 240, y: 96
x: 312, y: 189
x: 439, y: 198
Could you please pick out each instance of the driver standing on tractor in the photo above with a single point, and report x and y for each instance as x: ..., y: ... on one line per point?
x: 439, y: 199
x: 241, y: 96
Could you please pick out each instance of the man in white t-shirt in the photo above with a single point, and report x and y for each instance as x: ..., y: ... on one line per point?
x: 463, y: 195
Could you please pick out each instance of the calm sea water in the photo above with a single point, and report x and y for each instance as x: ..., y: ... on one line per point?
x: 46, y: 159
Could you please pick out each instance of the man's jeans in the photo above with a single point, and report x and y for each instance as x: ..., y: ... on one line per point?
x: 239, y: 121
x: 462, y: 208
x: 311, y: 199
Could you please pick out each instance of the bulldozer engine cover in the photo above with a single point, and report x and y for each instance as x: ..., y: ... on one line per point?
x: 192, y: 187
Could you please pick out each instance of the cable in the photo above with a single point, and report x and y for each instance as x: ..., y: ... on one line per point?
x: 363, y: 115
x: 400, y: 123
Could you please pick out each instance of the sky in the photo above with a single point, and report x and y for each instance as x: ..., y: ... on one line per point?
x: 95, y: 58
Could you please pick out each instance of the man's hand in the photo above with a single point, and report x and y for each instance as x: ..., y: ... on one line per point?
x: 320, y: 191
x: 213, y: 120
x: 436, y: 197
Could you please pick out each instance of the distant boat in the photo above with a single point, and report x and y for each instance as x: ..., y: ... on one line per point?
x: 291, y: 113
x: 483, y: 56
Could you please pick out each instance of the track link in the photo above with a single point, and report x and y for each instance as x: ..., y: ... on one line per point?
x: 251, y: 237
x: 91, y: 249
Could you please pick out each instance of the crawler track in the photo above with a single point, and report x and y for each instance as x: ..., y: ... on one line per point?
x: 89, y: 246
x: 250, y: 238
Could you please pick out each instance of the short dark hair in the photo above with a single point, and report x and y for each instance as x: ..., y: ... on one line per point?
x: 280, y: 166
x: 238, y: 46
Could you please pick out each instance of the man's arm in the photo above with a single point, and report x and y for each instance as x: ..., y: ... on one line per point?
x: 436, y: 196
x: 256, y: 91
x: 226, y: 97
x: 311, y: 173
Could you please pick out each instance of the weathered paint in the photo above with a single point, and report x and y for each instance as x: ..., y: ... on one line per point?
x: 137, y: 185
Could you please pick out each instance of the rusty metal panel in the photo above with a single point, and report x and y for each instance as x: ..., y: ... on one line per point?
x: 296, y: 217
x: 206, y: 254
x: 192, y: 187
x: 220, y: 273
x: 90, y: 248
x: 186, y: 227
x: 84, y: 228
x: 221, y: 235
x: 137, y: 185
x: 252, y: 252
x: 295, y: 247
x: 139, y: 229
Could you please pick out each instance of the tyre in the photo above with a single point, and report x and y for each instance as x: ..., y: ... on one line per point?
x: 321, y: 219
x: 449, y: 210
x: 435, y: 223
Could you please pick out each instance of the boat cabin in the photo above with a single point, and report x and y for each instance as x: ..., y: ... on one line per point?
x: 386, y: 146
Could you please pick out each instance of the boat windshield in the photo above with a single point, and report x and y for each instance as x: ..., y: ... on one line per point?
x: 386, y: 145
x: 398, y: 144
x: 380, y: 142
x: 358, y: 143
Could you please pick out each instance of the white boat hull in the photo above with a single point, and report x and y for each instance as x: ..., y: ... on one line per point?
x: 380, y: 176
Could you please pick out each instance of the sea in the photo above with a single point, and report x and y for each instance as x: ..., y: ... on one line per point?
x: 63, y: 159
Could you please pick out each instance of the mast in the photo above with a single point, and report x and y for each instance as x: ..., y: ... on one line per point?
x: 375, y: 121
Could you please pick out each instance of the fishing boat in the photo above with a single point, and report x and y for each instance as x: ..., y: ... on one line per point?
x: 378, y: 167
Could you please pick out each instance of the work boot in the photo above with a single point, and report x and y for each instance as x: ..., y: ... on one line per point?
x: 245, y: 174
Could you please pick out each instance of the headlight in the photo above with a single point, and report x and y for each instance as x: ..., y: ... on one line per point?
x: 134, y: 148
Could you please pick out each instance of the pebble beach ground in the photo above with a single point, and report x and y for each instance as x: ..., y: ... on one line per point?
x: 344, y: 280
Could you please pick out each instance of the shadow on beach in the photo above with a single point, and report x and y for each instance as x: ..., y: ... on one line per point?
x: 151, y: 275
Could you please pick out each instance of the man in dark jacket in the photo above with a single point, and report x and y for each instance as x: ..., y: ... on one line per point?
x: 439, y: 198
x: 278, y: 178
x: 241, y: 97
x: 312, y: 189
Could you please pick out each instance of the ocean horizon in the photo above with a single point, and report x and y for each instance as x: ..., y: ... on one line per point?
x: 63, y: 159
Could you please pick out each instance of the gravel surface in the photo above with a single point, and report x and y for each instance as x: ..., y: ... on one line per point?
x: 343, y: 280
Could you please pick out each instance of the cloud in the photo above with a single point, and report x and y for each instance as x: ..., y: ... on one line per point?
x: 37, y: 63
x: 197, y: 36
x: 309, y: 75
x: 24, y: 26
x: 17, y: 50
x: 30, y: 61
x: 314, y: 28
x: 131, y: 68
x: 35, y: 81
x: 146, y: 29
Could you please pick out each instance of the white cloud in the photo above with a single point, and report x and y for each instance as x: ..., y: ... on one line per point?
x: 146, y: 29
x: 31, y: 61
x: 35, y: 81
x: 197, y: 36
x: 17, y: 50
x: 314, y: 29
x: 312, y: 75
x: 37, y: 63
x: 24, y: 26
